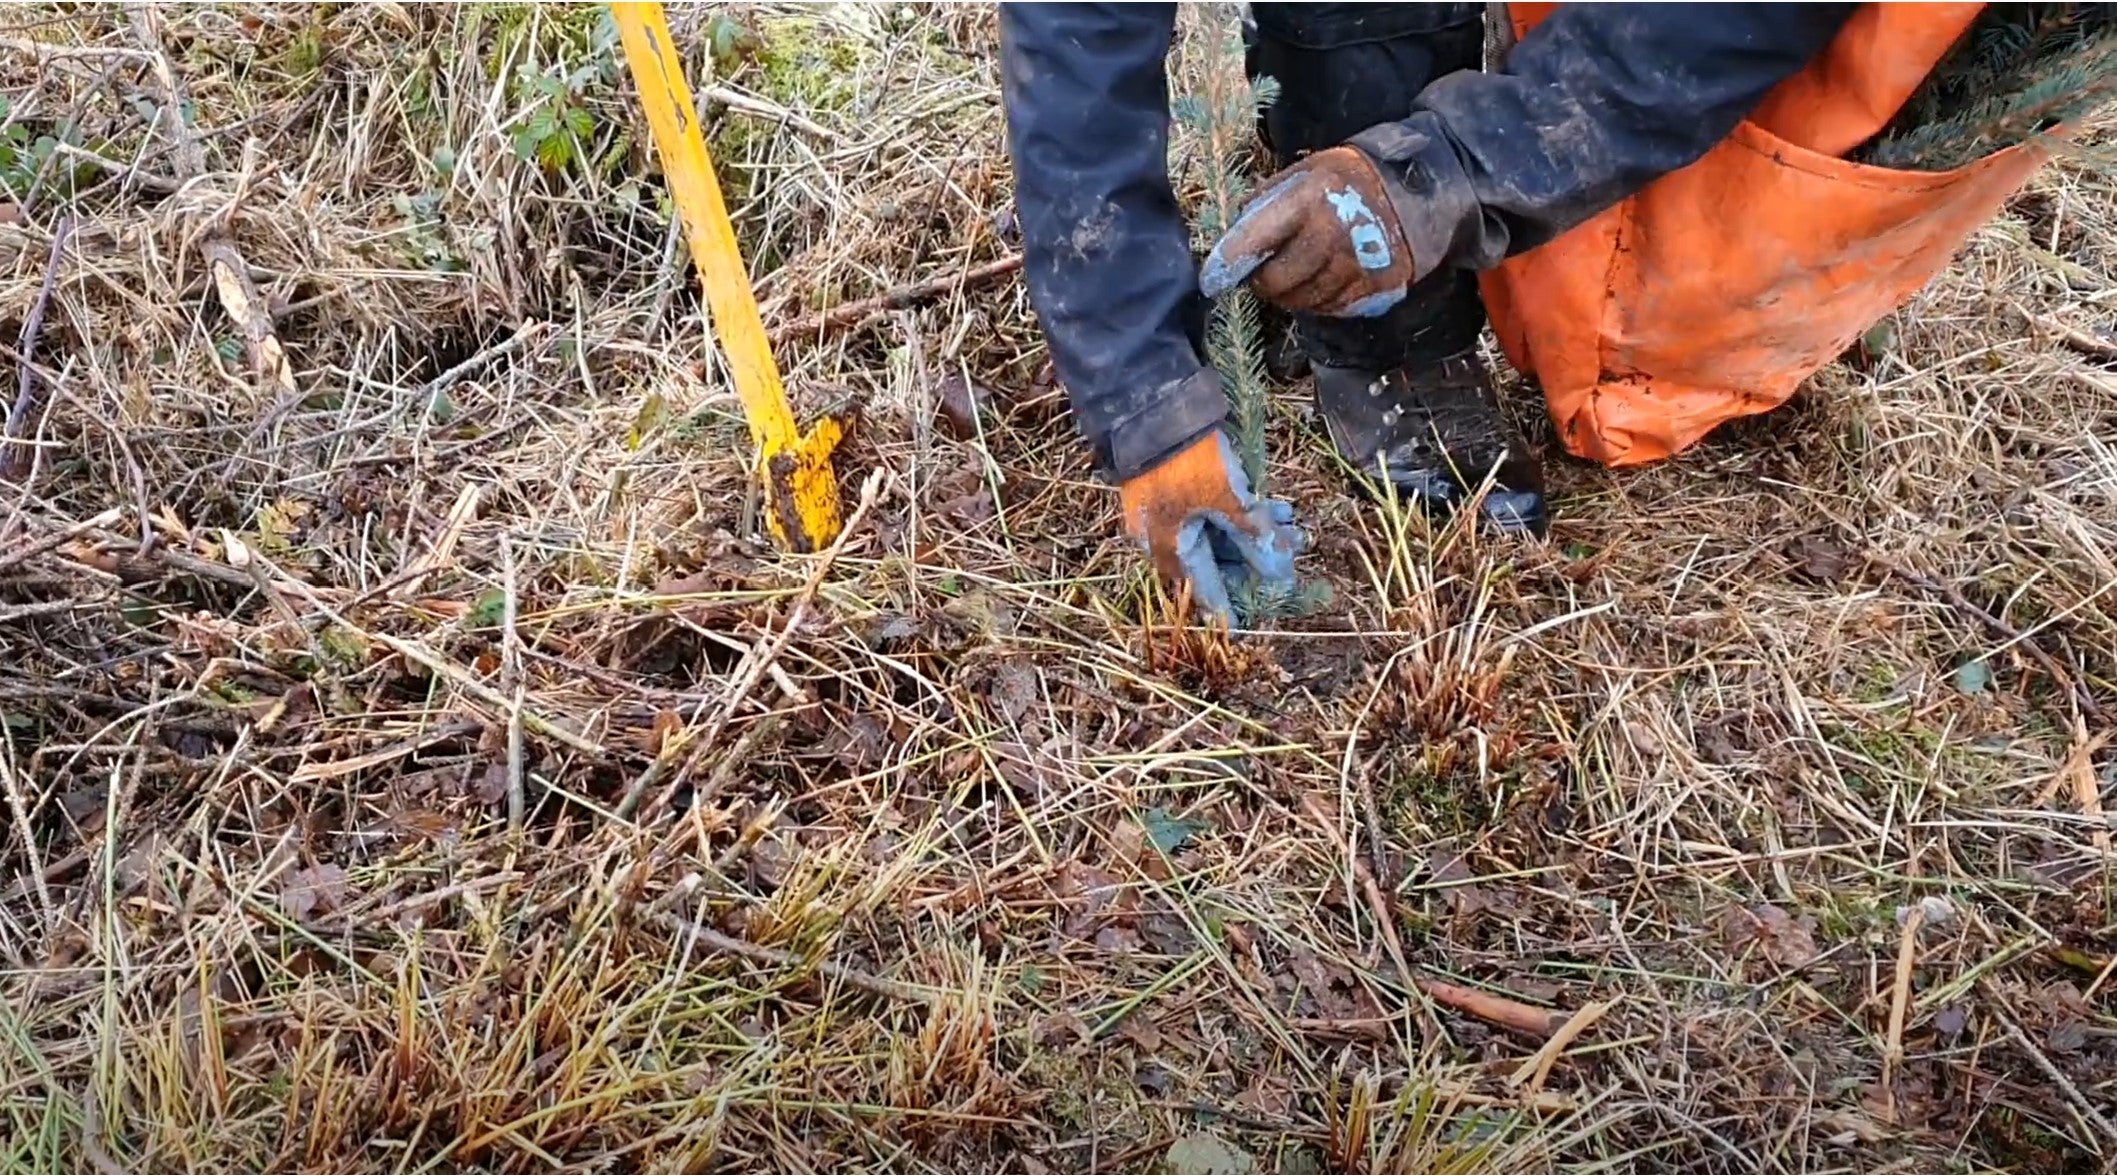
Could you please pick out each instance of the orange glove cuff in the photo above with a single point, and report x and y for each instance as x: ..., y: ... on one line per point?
x: 1158, y: 501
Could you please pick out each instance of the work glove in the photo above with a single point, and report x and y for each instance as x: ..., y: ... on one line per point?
x: 1322, y: 238
x: 1198, y: 520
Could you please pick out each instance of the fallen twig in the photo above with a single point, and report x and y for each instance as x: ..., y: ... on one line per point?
x: 2071, y: 337
x: 1499, y: 1010
x: 401, y: 749
x: 437, y: 664
x: 739, y: 756
x: 239, y: 295
x: 42, y: 608
x: 1493, y: 1009
x: 14, y: 465
x: 1537, y: 1069
x: 58, y: 538
x: 1899, y: 1001
x: 1126, y: 1159
x: 900, y: 298
x: 147, y: 180
x: 2101, y: 977
x: 25, y: 828
x: 511, y: 678
x: 48, y: 50
x: 442, y: 551
x: 53, y: 871
x: 2021, y: 1040
x: 2079, y: 770
x: 421, y: 901
x: 2000, y: 628
x: 1379, y: 905
x: 140, y: 567
x: 744, y: 103
x: 527, y: 332
x: 773, y: 956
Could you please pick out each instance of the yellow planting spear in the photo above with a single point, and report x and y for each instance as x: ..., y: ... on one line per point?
x: 801, y: 492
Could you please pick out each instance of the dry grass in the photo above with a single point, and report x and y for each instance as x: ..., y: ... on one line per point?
x: 945, y: 859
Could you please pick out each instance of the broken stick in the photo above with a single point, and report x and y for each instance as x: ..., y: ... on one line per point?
x: 239, y: 295
x: 1899, y: 1002
x: 663, y: 912
x: 1493, y: 1009
x: 2083, y: 698
x: 14, y: 465
x: 1537, y: 1069
x: 2071, y: 337
x: 765, y: 654
x: 901, y: 298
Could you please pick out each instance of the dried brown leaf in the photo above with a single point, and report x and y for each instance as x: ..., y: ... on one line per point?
x: 861, y: 740
x: 1448, y: 863
x: 1167, y: 933
x: 428, y: 825
x: 971, y: 508
x: 1821, y: 558
x: 1141, y: 1031
x: 1333, y: 990
x: 2069, y: 1036
x: 1128, y: 843
x: 1061, y: 1029
x: 696, y: 584
x: 1717, y: 741
x: 959, y: 402
x: 1014, y: 687
x: 1118, y: 940
x: 141, y: 861
x: 1849, y: 1126
x: 491, y: 786
x: 318, y: 889
x: 666, y: 724
x: 1775, y: 934
x: 1087, y: 893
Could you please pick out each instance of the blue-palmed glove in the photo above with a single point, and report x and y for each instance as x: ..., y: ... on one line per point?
x: 1198, y: 520
x: 1321, y: 237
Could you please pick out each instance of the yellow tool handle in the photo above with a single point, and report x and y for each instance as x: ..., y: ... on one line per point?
x: 799, y: 484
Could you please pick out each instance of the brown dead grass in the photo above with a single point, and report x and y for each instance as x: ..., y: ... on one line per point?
x: 951, y: 862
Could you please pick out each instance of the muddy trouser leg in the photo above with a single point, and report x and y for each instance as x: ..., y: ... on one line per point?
x: 1343, y: 68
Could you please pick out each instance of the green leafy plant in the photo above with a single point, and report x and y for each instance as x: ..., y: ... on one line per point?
x: 25, y: 154
x: 731, y: 42
x: 306, y: 54
x: 567, y: 61
x: 425, y: 230
x: 559, y: 129
x: 1171, y: 832
x: 489, y: 611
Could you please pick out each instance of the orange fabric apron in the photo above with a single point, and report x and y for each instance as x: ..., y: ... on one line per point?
x: 1716, y: 290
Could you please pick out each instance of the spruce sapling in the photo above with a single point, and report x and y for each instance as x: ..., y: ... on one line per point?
x: 2021, y: 71
x: 1222, y: 119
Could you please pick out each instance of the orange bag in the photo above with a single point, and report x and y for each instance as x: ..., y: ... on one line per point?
x: 1716, y: 290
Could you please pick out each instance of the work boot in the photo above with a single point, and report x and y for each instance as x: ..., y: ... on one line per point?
x: 1439, y: 429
